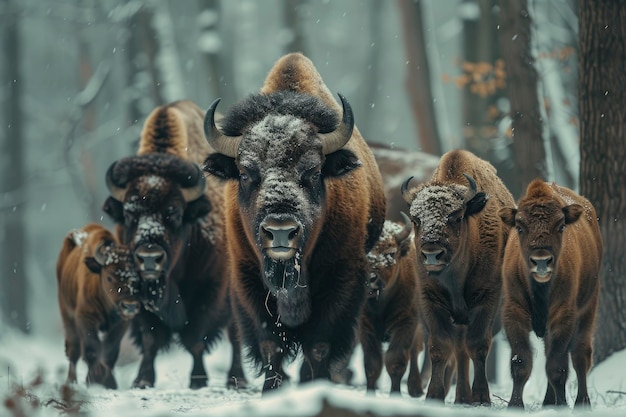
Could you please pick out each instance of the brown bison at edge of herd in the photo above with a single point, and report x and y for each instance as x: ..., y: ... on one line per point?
x: 171, y: 218
x: 551, y: 286
x: 391, y: 312
x: 460, y: 242
x: 304, y: 204
x: 95, y: 280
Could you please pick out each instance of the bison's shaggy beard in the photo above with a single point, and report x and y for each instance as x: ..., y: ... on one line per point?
x: 284, y: 280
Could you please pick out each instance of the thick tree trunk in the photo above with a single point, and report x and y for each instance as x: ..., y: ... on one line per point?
x: 13, y: 282
x: 528, y: 142
x: 602, y: 100
x: 293, y: 21
x: 418, y: 78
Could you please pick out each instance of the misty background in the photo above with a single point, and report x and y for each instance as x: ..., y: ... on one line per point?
x: 80, y: 76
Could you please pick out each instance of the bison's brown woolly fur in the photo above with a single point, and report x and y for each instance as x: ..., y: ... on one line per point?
x: 460, y: 242
x: 391, y: 311
x: 172, y: 219
x: 96, y: 278
x: 345, y: 206
x: 551, y: 286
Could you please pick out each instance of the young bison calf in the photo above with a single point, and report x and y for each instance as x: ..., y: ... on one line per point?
x: 551, y: 267
x: 391, y: 311
x: 95, y: 278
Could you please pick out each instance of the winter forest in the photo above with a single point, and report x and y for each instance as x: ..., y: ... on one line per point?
x: 535, y: 87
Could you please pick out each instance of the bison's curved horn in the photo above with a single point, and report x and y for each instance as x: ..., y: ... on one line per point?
x: 335, y: 140
x: 118, y: 191
x: 195, y: 191
x: 404, y: 187
x: 406, y: 230
x: 226, y: 145
x: 471, y: 192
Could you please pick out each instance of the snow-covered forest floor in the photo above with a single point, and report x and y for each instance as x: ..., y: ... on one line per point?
x: 24, y: 358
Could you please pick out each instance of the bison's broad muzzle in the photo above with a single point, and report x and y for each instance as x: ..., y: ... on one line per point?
x: 433, y: 257
x: 541, y: 265
x: 280, y: 237
x: 129, y: 308
x: 151, y: 261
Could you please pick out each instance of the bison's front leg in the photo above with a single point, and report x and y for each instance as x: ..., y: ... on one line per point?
x: 399, y: 352
x: 153, y: 335
x: 236, y: 376
x: 98, y: 372
x: 581, y: 356
x: 516, y: 321
x: 372, y: 351
x: 273, y: 353
x: 560, y: 331
x: 479, y: 338
x: 440, y: 349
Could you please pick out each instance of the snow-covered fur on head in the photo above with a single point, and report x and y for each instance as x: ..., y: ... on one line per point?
x: 303, y: 211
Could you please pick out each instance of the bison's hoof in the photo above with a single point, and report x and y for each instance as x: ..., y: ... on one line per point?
x: 198, y: 382
x: 237, y: 383
x: 416, y: 392
x: 143, y: 384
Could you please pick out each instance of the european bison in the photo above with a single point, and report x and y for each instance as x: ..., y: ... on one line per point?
x: 304, y: 204
x: 460, y: 241
x: 172, y: 219
x: 96, y: 282
x: 551, y: 286
x: 391, y: 312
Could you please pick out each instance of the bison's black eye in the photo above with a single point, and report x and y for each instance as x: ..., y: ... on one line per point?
x: 243, y: 177
x: 518, y: 229
x: 561, y: 228
x: 109, y: 278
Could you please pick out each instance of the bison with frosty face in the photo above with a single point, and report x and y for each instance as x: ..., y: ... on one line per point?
x: 304, y: 204
x: 460, y: 243
x: 170, y: 216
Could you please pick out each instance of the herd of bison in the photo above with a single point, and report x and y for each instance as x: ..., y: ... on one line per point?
x: 268, y: 223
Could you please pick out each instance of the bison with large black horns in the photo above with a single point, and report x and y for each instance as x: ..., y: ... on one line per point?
x: 171, y: 217
x: 304, y: 205
x: 551, y: 286
x: 460, y: 243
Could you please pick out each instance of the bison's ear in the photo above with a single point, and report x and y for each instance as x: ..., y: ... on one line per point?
x: 221, y: 166
x: 340, y: 163
x: 93, y: 265
x: 507, y: 214
x: 572, y: 212
x: 115, y: 210
x: 476, y: 203
x: 196, y: 209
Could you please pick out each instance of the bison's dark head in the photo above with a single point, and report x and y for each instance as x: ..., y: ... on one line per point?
x: 540, y: 221
x: 395, y: 243
x: 118, y: 277
x: 156, y: 198
x: 441, y: 213
x: 282, y: 149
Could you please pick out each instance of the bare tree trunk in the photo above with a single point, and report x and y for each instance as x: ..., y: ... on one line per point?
x: 602, y: 100
x: 13, y: 279
x: 418, y: 78
x: 293, y: 22
x: 527, y: 132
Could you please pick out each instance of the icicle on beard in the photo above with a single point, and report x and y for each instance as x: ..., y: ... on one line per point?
x: 283, y: 279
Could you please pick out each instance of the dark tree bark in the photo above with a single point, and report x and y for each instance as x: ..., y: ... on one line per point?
x: 218, y: 59
x: 293, y: 22
x: 602, y: 100
x: 418, y: 78
x: 13, y: 280
x: 528, y: 143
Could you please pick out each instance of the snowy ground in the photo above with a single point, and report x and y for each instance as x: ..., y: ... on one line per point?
x: 23, y: 358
